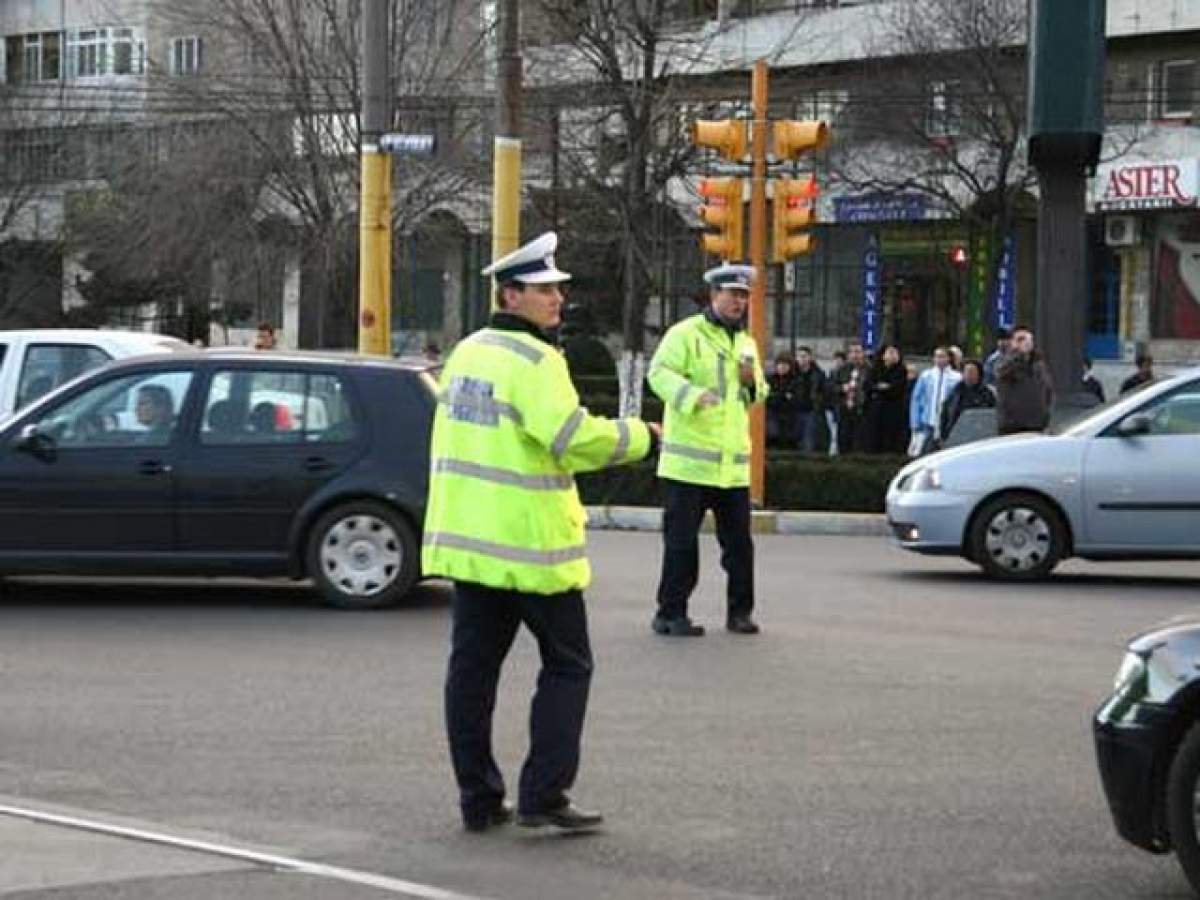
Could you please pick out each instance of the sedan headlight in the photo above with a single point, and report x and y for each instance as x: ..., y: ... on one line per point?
x: 925, y: 479
x: 1131, y: 677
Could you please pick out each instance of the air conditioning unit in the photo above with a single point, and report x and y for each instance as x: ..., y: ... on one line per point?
x: 1121, y: 231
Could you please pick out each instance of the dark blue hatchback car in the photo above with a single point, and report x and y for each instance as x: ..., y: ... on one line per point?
x: 225, y: 463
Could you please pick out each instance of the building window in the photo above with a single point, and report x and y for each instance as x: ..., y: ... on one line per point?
x: 90, y: 52
x: 33, y: 57
x: 825, y: 105
x: 187, y: 56
x: 96, y: 53
x: 128, y: 53
x: 944, y: 113
x: 1172, y: 86
x: 33, y: 155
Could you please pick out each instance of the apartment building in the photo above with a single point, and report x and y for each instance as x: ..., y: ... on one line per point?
x: 909, y: 185
x: 266, y: 111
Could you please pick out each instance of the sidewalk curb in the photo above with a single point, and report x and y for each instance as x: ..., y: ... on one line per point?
x: 649, y: 518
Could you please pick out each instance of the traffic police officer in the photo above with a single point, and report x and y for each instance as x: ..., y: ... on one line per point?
x: 707, y: 373
x: 505, y: 523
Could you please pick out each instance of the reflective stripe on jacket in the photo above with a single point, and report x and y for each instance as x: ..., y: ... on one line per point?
x: 508, y: 435
x: 705, y: 446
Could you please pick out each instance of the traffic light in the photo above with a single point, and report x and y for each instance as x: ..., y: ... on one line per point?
x: 723, y: 208
x: 793, y: 139
x: 729, y: 137
x: 958, y: 256
x: 794, y: 209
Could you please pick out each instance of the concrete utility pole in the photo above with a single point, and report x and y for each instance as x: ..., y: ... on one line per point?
x: 1062, y: 272
x: 375, y: 209
x: 1066, y: 127
x: 506, y: 148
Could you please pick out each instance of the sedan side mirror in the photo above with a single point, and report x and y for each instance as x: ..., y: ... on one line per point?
x: 1138, y: 423
x: 36, y: 443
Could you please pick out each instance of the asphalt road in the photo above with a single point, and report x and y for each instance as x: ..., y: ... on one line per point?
x: 902, y: 728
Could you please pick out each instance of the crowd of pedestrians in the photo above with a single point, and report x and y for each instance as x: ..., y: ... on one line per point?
x: 878, y: 403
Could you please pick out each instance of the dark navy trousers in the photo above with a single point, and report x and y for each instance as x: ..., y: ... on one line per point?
x: 485, y: 624
x: 683, y: 514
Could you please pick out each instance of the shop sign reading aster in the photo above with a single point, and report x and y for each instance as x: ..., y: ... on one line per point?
x: 1143, y: 184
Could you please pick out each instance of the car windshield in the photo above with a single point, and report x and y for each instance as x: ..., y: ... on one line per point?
x: 1076, y: 419
x: 1083, y: 420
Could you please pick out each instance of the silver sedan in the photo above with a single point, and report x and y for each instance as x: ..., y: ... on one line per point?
x: 1122, y: 483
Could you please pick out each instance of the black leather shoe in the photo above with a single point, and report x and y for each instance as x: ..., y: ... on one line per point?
x: 742, y: 625
x: 566, y: 818
x: 501, y: 815
x: 681, y: 627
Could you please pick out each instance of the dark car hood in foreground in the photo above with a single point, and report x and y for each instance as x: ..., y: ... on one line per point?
x: 1177, y: 632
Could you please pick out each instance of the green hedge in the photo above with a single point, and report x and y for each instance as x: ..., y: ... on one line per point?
x: 854, y: 483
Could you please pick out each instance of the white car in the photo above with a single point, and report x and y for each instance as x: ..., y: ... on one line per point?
x: 35, y: 362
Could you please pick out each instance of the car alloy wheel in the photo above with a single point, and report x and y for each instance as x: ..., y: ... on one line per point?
x: 1018, y: 539
x: 363, y: 554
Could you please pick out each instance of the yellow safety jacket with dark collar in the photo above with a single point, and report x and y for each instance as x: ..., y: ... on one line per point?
x: 705, y: 445
x: 508, y: 436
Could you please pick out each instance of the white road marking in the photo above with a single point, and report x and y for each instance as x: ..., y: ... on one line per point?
x: 286, y: 863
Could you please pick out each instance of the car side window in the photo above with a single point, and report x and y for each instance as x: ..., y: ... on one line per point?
x: 247, y: 407
x: 1177, y: 413
x: 139, y: 410
x: 46, y: 366
x: 329, y: 414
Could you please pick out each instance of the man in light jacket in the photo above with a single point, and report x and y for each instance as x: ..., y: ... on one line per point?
x: 929, y: 395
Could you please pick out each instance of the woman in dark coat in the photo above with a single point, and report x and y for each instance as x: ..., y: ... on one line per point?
x: 970, y: 393
x: 885, y: 414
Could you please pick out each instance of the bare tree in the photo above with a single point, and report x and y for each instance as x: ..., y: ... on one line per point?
x: 33, y: 156
x: 621, y: 132
x: 175, y: 201
x: 289, y: 82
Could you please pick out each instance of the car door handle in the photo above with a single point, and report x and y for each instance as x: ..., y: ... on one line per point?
x: 317, y: 464
x: 153, y: 467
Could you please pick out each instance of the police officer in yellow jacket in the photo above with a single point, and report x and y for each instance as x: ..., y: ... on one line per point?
x: 707, y: 373
x: 505, y: 523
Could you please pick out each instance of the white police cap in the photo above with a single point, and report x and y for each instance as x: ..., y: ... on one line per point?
x: 531, y: 264
x: 730, y: 276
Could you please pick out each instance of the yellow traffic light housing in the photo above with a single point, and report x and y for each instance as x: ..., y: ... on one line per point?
x: 794, y: 209
x: 729, y: 137
x: 723, y: 208
x: 793, y: 139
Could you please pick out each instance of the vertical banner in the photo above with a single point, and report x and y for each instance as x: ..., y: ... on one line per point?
x: 872, y: 312
x: 977, y: 290
x: 1005, y: 308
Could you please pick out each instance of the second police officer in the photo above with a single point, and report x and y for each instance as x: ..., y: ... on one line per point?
x: 707, y: 373
x: 505, y: 524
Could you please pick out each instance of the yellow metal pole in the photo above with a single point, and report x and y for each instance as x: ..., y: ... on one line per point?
x: 506, y: 200
x: 375, y: 253
x: 758, y: 259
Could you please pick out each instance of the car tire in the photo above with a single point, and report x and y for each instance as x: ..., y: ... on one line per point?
x: 1017, y: 537
x: 363, y: 555
x: 1181, y: 803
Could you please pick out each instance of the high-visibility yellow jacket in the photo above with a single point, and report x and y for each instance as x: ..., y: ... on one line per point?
x: 709, y: 446
x: 508, y: 435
